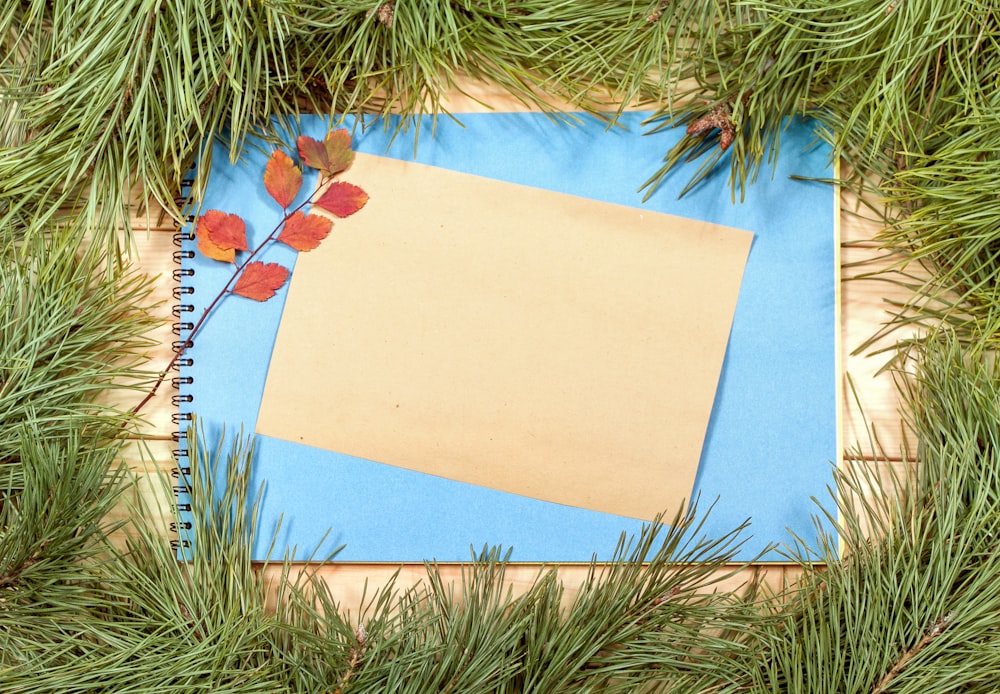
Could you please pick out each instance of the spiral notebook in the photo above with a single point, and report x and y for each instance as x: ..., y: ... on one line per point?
x: 508, y: 346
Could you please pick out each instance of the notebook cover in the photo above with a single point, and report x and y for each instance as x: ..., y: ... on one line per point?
x: 771, y: 441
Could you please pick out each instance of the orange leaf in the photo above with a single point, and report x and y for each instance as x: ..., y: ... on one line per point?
x: 331, y: 156
x: 282, y: 178
x: 220, y: 235
x: 304, y: 232
x: 260, y: 281
x: 210, y: 250
x: 343, y: 199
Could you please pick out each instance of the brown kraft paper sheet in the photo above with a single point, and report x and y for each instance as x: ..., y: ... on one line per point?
x: 532, y: 342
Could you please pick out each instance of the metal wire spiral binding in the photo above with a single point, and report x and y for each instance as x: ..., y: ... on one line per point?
x: 181, y: 328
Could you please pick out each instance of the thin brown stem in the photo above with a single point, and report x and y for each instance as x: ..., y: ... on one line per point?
x: 936, y: 630
x: 226, y: 290
x: 357, y: 655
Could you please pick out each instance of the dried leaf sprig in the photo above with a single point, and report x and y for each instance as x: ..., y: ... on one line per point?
x: 222, y: 235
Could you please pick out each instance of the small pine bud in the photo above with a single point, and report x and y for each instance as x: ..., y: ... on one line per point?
x: 385, y: 13
x: 720, y: 118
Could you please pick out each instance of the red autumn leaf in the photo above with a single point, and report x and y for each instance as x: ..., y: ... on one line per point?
x: 260, y: 281
x: 282, y: 178
x: 343, y: 199
x: 331, y: 156
x: 220, y: 235
x: 224, y: 230
x: 313, y: 152
x: 304, y: 232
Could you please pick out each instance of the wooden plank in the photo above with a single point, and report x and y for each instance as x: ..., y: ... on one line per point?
x: 871, y: 404
x: 353, y: 585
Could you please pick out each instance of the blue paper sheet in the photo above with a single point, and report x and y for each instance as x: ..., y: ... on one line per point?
x: 772, y: 439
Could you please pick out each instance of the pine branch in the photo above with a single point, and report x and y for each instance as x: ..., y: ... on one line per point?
x: 54, y: 506
x: 922, y: 554
x: 69, y: 337
x: 936, y: 630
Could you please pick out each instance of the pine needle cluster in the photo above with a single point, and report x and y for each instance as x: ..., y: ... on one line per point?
x: 67, y: 338
x: 109, y: 102
x: 911, y: 606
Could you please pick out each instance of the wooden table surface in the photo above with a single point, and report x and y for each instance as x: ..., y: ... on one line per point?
x: 872, y: 402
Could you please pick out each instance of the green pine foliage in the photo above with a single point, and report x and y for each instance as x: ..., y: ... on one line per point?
x: 913, y: 605
x: 55, y: 497
x: 108, y: 102
x: 910, y: 607
x: 68, y: 337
